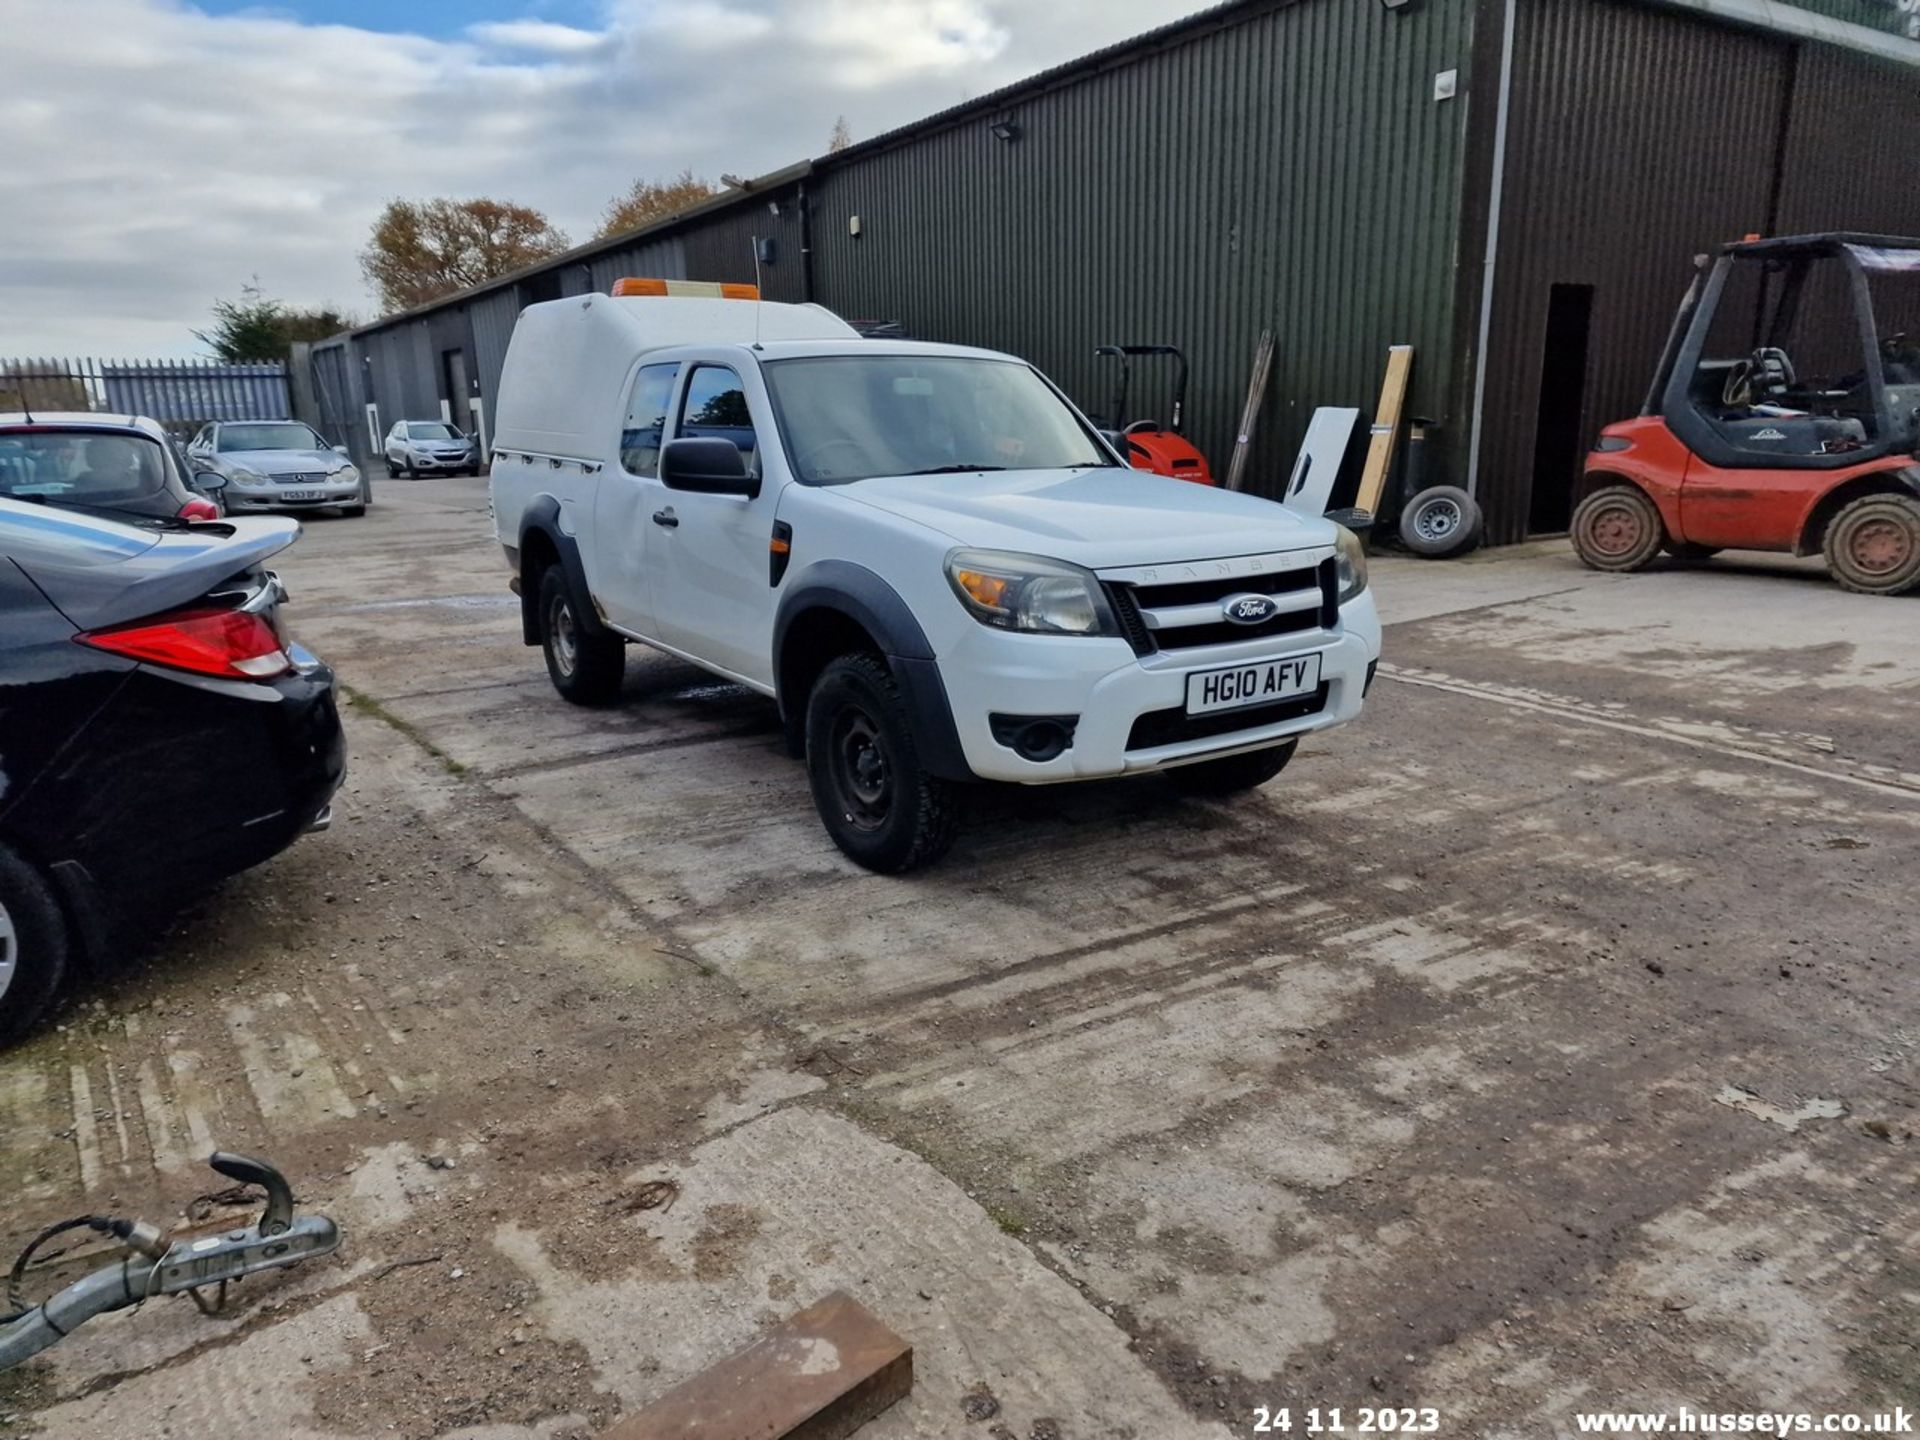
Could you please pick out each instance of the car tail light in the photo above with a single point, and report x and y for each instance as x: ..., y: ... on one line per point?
x: 198, y: 509
x: 233, y: 644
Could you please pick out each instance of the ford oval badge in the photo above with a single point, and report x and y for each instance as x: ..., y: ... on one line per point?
x: 1249, y: 609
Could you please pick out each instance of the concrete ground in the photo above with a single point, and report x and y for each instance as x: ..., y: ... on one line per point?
x: 1544, y: 1042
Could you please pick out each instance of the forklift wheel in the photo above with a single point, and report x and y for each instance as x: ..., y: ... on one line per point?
x: 1617, y: 528
x: 1873, y: 545
x: 1440, y: 522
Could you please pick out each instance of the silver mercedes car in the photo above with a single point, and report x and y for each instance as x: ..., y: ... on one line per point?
x: 278, y: 465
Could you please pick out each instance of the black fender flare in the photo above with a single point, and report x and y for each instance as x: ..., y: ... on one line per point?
x: 543, y: 517
x: 863, y: 597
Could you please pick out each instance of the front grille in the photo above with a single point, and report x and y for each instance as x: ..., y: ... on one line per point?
x: 1150, y: 615
x: 1175, y: 726
x: 1131, y: 623
x: 305, y: 477
x: 1199, y: 592
x: 1187, y: 637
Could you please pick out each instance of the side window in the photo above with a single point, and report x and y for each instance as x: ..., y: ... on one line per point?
x: 646, y: 422
x: 716, y: 405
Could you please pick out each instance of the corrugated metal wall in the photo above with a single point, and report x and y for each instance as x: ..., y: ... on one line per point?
x: 1288, y: 168
x: 660, y: 259
x: 1853, y: 152
x: 493, y: 317
x: 1639, y: 138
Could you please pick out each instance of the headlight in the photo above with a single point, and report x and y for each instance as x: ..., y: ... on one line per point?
x: 1030, y: 593
x: 241, y: 475
x: 1350, y: 564
x: 346, y: 469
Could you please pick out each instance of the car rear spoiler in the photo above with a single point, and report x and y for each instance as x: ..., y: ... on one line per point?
x: 177, y: 569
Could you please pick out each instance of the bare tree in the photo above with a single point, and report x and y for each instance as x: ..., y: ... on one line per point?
x: 841, y: 137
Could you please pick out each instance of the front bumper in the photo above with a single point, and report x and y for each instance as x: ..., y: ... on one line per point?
x: 316, y: 495
x: 1110, y: 690
x: 445, y: 464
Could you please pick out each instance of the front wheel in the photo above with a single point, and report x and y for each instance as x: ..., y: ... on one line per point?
x: 33, y: 946
x: 1235, y: 773
x: 875, y: 798
x: 1618, y: 528
x: 585, y: 668
x: 1873, y: 545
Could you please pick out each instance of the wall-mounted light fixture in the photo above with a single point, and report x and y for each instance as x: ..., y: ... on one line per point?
x: 1005, y: 130
x: 1397, y: 6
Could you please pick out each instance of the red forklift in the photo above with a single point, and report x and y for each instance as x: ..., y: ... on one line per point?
x: 1147, y: 444
x: 1785, y: 416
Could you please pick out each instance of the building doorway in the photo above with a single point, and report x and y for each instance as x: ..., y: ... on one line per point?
x: 453, y: 372
x: 1558, y: 441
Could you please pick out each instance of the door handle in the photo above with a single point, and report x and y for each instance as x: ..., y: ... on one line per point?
x: 666, y: 518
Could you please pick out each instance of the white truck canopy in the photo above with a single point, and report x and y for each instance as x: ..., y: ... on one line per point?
x: 564, y: 383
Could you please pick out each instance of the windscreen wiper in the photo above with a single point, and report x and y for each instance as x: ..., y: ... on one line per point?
x: 957, y: 470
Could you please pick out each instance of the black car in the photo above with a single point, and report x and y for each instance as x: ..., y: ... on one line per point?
x: 115, y: 464
x: 158, y: 730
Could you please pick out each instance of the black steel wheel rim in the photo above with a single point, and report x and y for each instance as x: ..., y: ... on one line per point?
x: 860, y: 768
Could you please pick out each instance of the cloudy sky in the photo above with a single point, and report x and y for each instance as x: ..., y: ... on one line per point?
x: 159, y: 154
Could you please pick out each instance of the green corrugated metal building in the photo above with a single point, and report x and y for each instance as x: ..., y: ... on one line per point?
x: 1515, y: 187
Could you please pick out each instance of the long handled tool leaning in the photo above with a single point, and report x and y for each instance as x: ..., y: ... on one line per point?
x: 1250, y: 414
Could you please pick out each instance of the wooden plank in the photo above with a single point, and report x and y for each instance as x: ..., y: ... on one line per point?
x: 1386, y: 429
x: 819, y: 1375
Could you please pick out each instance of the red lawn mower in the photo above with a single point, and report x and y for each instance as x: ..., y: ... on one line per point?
x: 1147, y: 444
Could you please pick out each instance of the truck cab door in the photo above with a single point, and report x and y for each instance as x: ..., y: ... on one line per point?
x: 624, y: 545
x: 712, y: 595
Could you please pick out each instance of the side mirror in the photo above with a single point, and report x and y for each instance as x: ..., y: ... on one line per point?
x: 339, y: 449
x: 707, y: 466
x: 209, y: 480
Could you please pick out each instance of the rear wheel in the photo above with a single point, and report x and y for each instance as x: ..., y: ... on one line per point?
x: 1235, y: 773
x: 1617, y: 529
x: 875, y: 798
x: 1873, y: 545
x: 33, y: 946
x: 585, y: 668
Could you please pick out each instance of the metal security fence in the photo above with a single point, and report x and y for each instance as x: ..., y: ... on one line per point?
x: 181, y: 394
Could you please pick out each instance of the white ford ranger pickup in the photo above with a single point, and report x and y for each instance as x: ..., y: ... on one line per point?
x: 931, y: 561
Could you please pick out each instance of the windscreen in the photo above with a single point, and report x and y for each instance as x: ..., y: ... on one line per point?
x: 431, y: 430
x: 854, y: 417
x: 280, y: 436
x: 76, y: 467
